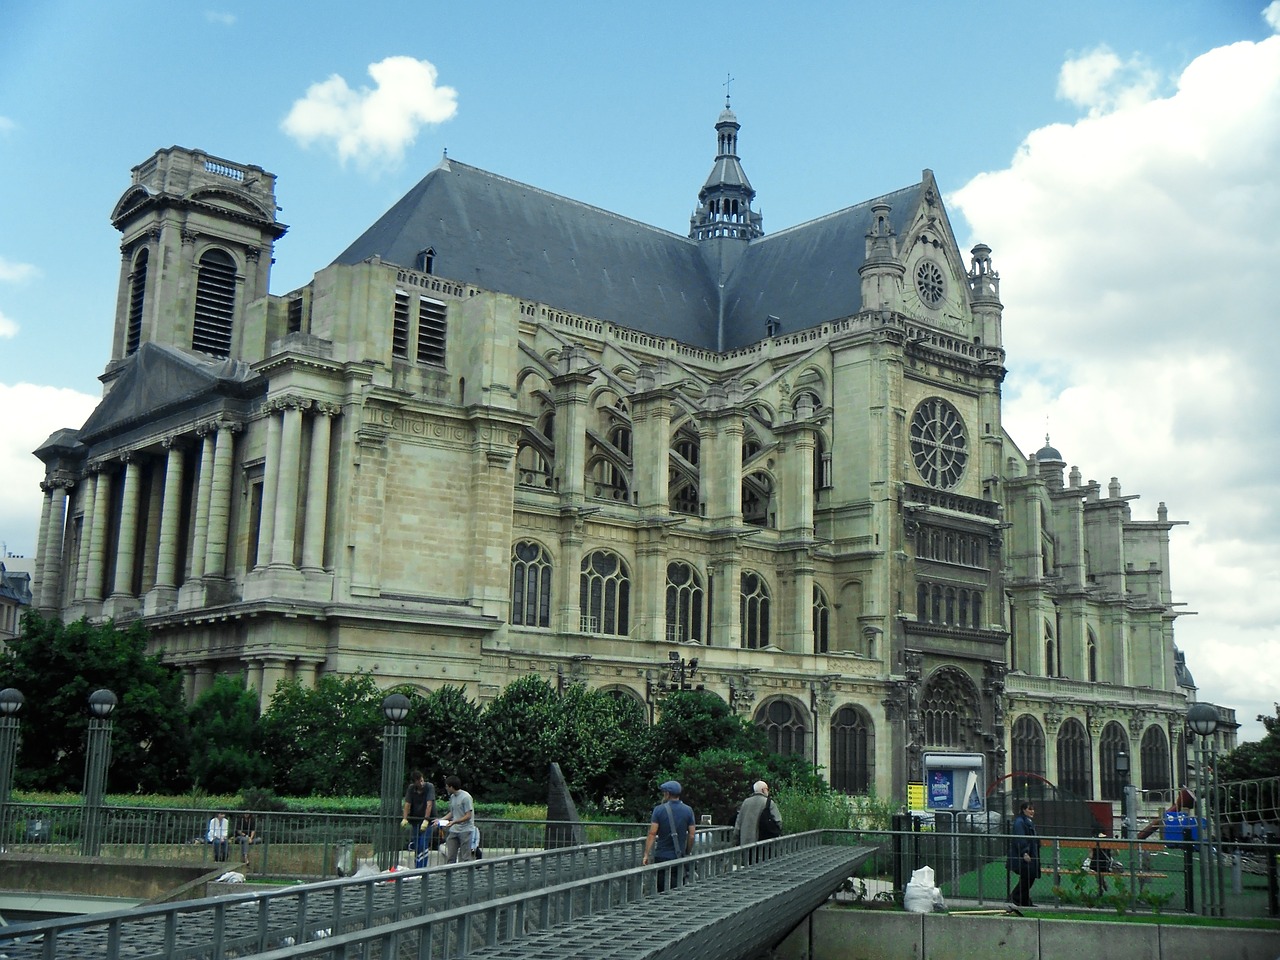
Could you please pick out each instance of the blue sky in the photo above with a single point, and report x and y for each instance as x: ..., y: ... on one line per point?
x: 1119, y: 158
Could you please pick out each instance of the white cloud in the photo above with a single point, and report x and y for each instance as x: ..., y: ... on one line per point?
x: 220, y: 17
x: 12, y: 272
x: 33, y: 413
x: 1272, y: 15
x: 8, y: 328
x: 1140, y: 286
x: 378, y: 124
x: 6, y: 125
x: 1100, y: 81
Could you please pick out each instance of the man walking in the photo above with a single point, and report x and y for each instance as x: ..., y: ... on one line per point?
x: 1024, y: 854
x: 461, y: 815
x: 758, y: 817
x: 672, y: 828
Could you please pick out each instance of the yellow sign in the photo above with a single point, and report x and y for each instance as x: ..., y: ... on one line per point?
x: 915, y: 796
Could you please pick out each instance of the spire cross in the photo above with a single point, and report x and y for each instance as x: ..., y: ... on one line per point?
x: 727, y: 80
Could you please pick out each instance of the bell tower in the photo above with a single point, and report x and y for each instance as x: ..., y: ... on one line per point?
x: 724, y: 202
x: 198, y: 237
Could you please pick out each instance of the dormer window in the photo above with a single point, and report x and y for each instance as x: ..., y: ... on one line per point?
x: 426, y: 260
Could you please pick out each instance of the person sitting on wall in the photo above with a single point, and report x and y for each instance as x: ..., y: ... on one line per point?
x: 217, y: 836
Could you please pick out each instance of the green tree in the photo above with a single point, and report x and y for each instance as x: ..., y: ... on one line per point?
x: 327, y: 740
x: 520, y: 730
x: 445, y: 736
x: 226, y: 742
x: 1255, y: 760
x: 57, y: 666
x: 691, y: 721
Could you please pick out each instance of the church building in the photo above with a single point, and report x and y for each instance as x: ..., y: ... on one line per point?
x: 506, y: 432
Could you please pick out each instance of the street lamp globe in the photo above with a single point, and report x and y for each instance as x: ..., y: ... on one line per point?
x: 11, y: 700
x: 396, y: 707
x: 1122, y: 763
x: 1202, y: 718
x: 102, y: 703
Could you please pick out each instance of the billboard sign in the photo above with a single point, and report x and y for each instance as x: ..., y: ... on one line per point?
x: 955, y: 781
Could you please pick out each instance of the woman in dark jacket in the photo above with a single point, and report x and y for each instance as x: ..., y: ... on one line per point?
x: 1024, y: 854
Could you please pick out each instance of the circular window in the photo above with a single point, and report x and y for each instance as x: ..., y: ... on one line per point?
x: 938, y: 444
x: 929, y: 282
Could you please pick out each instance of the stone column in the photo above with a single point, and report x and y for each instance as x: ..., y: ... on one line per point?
x: 170, y: 517
x: 98, y: 538
x: 204, y: 489
x: 54, y: 533
x: 42, y: 536
x: 286, y: 505
x: 317, y: 512
x: 568, y: 587
x: 215, y: 558
x: 270, y: 487
x: 153, y: 485
x: 128, y: 537
x: 572, y: 383
x: 273, y: 671
x: 89, y: 494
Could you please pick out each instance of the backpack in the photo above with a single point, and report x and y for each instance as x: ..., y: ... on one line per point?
x: 766, y: 826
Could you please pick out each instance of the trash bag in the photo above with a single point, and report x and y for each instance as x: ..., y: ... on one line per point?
x: 922, y: 894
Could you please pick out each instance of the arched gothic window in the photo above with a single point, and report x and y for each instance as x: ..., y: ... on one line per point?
x: 1050, y: 652
x: 605, y: 594
x: 784, y: 726
x: 821, y: 621
x: 1091, y: 656
x: 685, y: 600
x: 683, y: 473
x: 754, y: 611
x: 1112, y: 741
x: 853, y: 750
x: 1155, y: 760
x: 215, y: 304
x: 757, y: 500
x: 1028, y: 746
x: 1074, y: 767
x: 947, y: 709
x: 530, y: 585
x: 137, y: 299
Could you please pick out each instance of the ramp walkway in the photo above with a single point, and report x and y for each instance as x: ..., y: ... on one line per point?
x: 570, y: 902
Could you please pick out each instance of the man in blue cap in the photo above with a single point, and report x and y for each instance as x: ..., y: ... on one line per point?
x: 671, y: 831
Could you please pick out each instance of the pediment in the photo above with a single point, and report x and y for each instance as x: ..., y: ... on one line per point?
x: 160, y: 380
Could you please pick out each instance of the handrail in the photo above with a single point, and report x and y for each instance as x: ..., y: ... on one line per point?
x: 261, y: 918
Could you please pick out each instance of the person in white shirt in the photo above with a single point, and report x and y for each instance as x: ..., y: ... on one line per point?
x: 217, y: 836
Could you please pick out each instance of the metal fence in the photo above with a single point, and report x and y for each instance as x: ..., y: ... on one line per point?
x: 1239, y: 880
x: 447, y: 911
x: 294, y: 845
x: 242, y: 924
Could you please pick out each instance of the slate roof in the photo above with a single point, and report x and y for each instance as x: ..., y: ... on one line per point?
x: 507, y: 236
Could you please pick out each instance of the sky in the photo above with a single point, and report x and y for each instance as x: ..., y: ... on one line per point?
x: 1122, y: 160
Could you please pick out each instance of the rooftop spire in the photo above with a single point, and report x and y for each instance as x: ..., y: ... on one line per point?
x: 724, y: 202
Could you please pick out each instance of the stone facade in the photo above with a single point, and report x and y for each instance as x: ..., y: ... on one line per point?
x: 442, y: 480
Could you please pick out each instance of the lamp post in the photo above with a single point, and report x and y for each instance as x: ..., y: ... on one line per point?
x: 96, y: 760
x: 395, y: 708
x: 10, y: 704
x: 1122, y: 771
x: 1202, y: 721
x: 682, y: 672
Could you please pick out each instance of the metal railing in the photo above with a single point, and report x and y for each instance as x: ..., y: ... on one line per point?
x: 286, y: 844
x: 239, y: 924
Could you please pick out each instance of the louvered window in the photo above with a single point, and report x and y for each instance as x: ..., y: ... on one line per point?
x: 137, y: 294
x: 215, y: 304
x: 295, y: 315
x: 431, y: 331
x: 400, y: 327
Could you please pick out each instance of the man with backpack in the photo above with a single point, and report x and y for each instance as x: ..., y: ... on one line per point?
x: 758, y: 817
x: 672, y: 829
